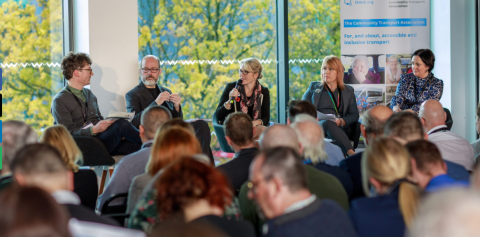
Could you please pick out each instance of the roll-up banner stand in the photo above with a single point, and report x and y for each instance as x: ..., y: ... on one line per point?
x: 377, y: 42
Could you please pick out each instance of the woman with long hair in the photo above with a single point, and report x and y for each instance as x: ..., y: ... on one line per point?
x: 393, y: 198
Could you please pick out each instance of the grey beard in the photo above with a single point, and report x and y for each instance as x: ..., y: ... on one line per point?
x: 149, y: 82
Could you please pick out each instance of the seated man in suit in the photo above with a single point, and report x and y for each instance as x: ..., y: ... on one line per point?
x: 373, y: 121
x: 76, y: 108
x: 239, y: 133
x: 406, y: 127
x: 148, y: 93
x: 453, y: 147
x: 428, y: 167
x: 279, y: 186
x: 297, y: 107
x: 15, y: 135
x: 310, y: 136
x: 134, y: 164
x: 41, y: 165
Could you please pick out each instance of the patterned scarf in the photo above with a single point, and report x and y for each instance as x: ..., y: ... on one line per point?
x: 255, y: 100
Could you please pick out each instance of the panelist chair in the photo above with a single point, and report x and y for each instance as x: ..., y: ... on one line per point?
x: 220, y: 133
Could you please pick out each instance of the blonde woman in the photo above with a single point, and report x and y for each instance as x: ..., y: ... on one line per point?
x: 392, y: 200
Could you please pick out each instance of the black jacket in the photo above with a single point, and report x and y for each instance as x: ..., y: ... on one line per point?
x: 237, y: 169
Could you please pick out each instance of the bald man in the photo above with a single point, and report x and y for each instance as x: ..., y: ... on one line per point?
x: 453, y: 147
x: 373, y: 121
x: 323, y: 185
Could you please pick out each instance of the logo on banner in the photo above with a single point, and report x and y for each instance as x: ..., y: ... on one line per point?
x: 347, y: 2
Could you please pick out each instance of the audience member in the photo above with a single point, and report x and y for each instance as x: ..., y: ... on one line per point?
x: 448, y: 213
x: 428, y: 168
x: 169, y: 145
x: 134, y: 164
x: 278, y: 184
x: 452, y: 146
x: 406, y: 127
x: 476, y: 144
x: 239, y: 133
x: 320, y: 183
x: 393, y: 198
x: 186, y: 230
x: 310, y: 136
x: 41, y: 165
x: 297, y: 107
x: 202, y: 198
x: 373, y: 121
x: 15, y: 135
x: 76, y: 108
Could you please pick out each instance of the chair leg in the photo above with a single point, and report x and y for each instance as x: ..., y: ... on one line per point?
x: 110, y: 170
x: 102, y: 182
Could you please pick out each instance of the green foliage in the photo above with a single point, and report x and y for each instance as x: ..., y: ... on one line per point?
x: 30, y: 33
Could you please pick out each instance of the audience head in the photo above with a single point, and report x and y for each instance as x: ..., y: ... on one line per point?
x: 373, y: 121
x: 335, y: 63
x: 310, y: 135
x: 176, y: 122
x: 31, y: 212
x: 450, y: 212
x: 427, y: 57
x: 152, y: 119
x: 171, y: 144
x: 386, y: 164
x: 252, y: 65
x: 277, y: 175
x: 15, y: 135
x: 150, y: 78
x: 279, y: 135
x: 58, y: 137
x: 404, y: 127
x: 427, y: 162
x: 42, y: 166
x: 189, y: 185
x: 296, y: 107
x: 360, y: 63
x: 186, y: 229
x: 432, y: 114
x: 239, y: 129
x: 74, y: 61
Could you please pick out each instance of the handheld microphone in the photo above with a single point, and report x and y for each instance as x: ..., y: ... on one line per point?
x: 232, y: 99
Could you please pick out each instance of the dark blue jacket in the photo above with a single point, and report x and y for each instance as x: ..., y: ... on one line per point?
x: 352, y: 165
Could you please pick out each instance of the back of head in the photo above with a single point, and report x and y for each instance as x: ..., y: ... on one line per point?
x: 73, y: 61
x: 38, y: 160
x: 448, y: 212
x: 375, y: 118
x: 286, y: 164
x: 31, y: 212
x: 279, y: 135
x: 15, y: 135
x: 426, y: 155
x: 153, y: 118
x: 239, y: 128
x: 297, y: 107
x: 169, y: 145
x: 310, y: 135
x: 404, y: 125
x: 197, y: 180
x: 433, y: 114
x: 388, y: 162
x: 176, y: 122
x: 58, y: 137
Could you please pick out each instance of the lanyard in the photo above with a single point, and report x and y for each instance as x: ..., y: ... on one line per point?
x: 336, y: 106
x: 85, y: 112
x: 415, y: 89
x: 439, y: 130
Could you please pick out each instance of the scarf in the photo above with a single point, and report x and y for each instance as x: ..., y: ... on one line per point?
x: 255, y: 100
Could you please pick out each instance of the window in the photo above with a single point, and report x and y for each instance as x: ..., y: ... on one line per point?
x: 32, y: 39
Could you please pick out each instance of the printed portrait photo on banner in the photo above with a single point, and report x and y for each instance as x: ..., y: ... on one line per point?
x: 396, y: 65
x: 364, y: 69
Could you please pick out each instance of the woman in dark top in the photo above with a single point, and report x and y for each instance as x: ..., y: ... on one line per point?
x: 393, y: 201
x: 332, y: 96
x: 190, y: 191
x: 247, y: 95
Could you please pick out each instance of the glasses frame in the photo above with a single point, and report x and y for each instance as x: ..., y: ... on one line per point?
x: 151, y: 70
x: 240, y: 71
x: 88, y: 69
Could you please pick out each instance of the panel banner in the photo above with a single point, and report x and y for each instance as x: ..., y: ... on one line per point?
x: 378, y: 38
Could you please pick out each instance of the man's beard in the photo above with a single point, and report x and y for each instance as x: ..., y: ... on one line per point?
x: 151, y: 82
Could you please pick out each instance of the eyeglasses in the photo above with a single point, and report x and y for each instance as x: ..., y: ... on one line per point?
x: 88, y: 69
x: 243, y: 72
x: 152, y: 70
x: 253, y: 185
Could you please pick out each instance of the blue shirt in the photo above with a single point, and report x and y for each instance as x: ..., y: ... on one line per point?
x: 443, y: 181
x: 335, y: 154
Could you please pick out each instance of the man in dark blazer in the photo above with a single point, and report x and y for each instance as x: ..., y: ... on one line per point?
x: 239, y: 133
x: 148, y: 93
x: 41, y: 165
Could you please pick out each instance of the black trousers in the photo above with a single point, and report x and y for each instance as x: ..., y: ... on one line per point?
x: 202, y: 132
x: 112, y: 138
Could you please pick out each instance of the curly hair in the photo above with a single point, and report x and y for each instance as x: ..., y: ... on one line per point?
x: 187, y: 181
x: 74, y: 61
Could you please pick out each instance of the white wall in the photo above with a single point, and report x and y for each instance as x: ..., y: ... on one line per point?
x: 108, y: 31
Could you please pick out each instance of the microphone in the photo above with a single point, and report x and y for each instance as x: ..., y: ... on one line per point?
x: 238, y: 97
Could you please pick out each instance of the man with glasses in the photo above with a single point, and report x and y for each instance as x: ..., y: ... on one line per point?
x: 148, y: 93
x: 76, y: 108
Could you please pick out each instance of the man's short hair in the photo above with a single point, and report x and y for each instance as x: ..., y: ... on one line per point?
x: 153, y: 118
x: 150, y: 56
x: 73, y: 61
x: 425, y: 154
x: 15, y: 135
x: 176, y: 122
x: 404, y: 125
x: 286, y: 164
x: 38, y: 159
x: 296, y: 107
x: 279, y: 135
x: 372, y: 125
x: 239, y: 128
